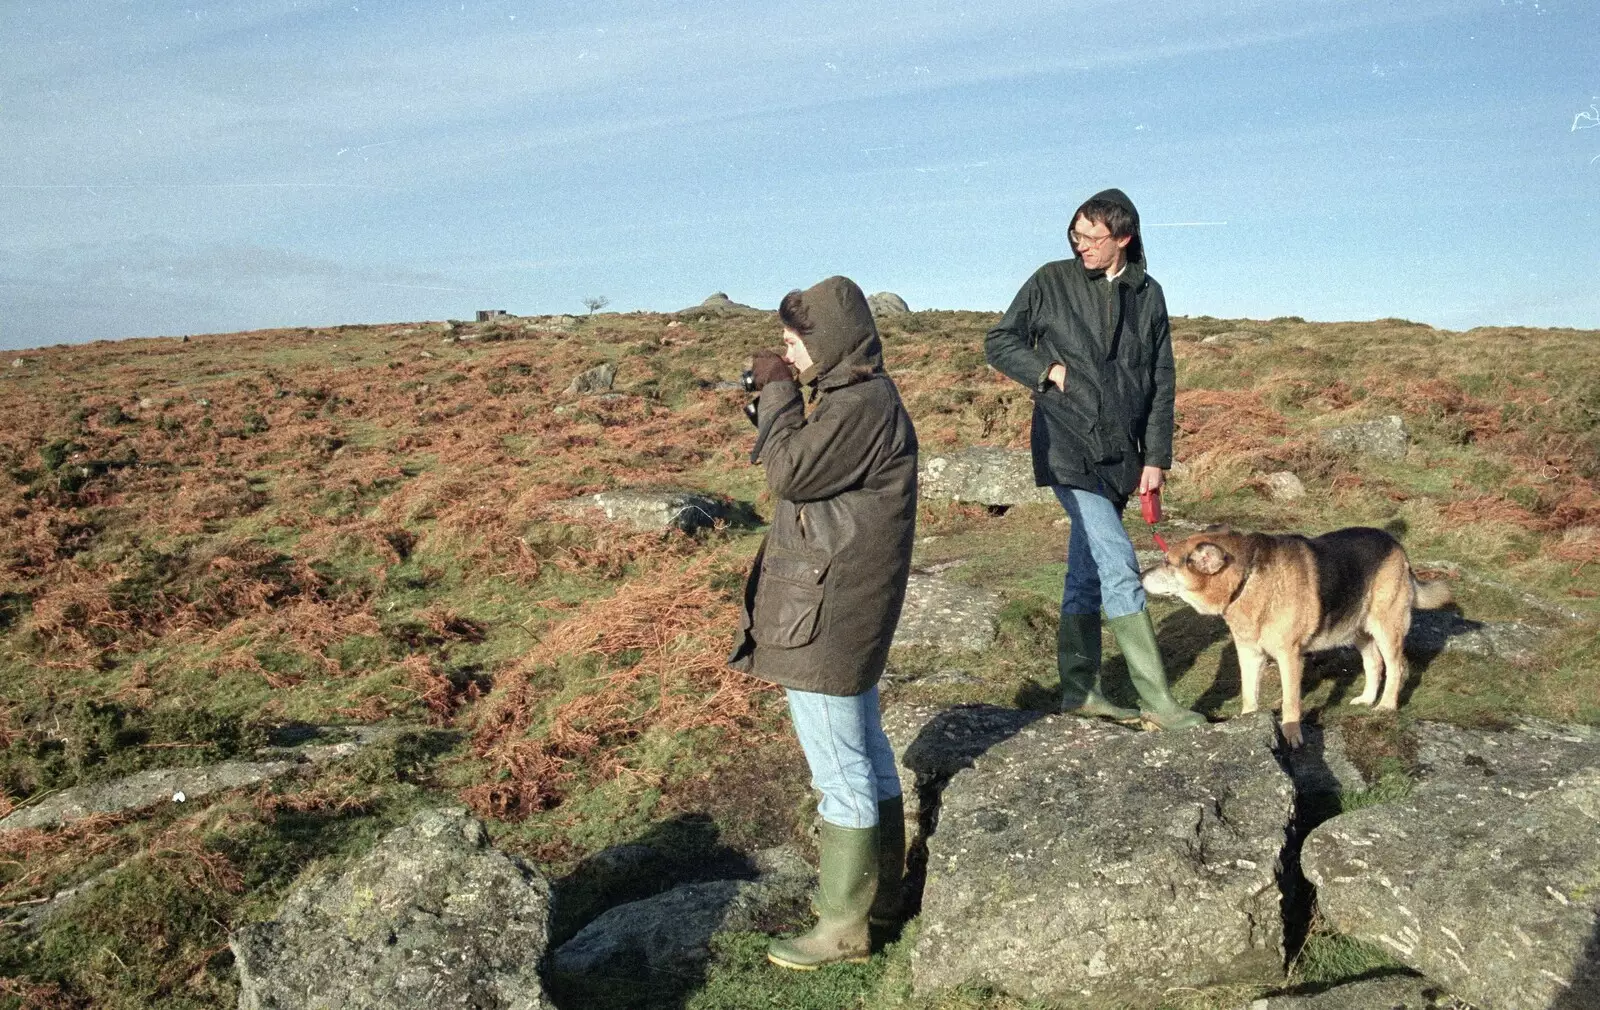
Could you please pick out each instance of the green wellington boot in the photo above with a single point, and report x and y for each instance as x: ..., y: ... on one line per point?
x: 1136, y: 636
x: 886, y: 907
x: 1078, y: 660
x: 847, y: 881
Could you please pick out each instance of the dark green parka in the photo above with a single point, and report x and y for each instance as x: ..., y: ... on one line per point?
x: 1115, y: 340
x: 824, y: 593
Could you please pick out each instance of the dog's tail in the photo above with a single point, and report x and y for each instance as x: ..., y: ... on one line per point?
x: 1430, y: 595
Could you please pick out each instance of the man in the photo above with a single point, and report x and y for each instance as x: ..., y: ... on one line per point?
x: 1090, y: 337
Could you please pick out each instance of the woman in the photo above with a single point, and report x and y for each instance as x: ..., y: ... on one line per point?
x: 825, y: 593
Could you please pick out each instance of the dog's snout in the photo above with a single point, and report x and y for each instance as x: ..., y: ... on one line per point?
x: 1159, y: 580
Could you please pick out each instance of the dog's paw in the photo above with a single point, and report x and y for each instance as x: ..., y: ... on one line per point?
x: 1363, y: 700
x: 1291, y: 735
x: 1387, y: 706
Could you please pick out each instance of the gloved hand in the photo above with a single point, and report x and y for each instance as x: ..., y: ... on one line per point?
x: 769, y: 366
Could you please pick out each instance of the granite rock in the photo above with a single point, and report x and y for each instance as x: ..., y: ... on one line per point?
x: 1486, y: 877
x: 1078, y: 860
x: 982, y: 474
x: 431, y: 917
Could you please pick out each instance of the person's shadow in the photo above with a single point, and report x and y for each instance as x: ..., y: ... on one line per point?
x: 682, y: 850
x: 1583, y: 992
x: 1182, y: 637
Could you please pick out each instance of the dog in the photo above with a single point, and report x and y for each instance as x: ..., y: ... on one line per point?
x: 1284, y: 596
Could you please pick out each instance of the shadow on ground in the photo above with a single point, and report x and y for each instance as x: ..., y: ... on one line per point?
x: 686, y: 849
x: 952, y: 740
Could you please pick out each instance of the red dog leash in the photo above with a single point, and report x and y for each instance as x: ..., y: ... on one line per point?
x: 1150, y: 506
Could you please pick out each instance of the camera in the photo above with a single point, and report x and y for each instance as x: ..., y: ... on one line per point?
x: 747, y: 379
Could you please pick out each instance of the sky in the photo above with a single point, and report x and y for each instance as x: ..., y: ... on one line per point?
x: 170, y: 168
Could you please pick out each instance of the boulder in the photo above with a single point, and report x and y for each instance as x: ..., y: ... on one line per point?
x: 142, y: 789
x: 646, y: 509
x: 598, y: 379
x: 1284, y: 486
x: 1385, y: 438
x: 947, y: 615
x: 887, y: 303
x: 1532, y: 757
x: 431, y: 917
x: 1082, y: 861
x: 1485, y: 876
x: 672, y: 931
x: 984, y: 474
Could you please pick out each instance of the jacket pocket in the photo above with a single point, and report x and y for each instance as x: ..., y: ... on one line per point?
x: 788, y: 605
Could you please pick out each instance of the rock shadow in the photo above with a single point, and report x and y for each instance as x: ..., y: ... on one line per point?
x: 1583, y: 991
x: 684, y: 850
x: 950, y: 741
x: 681, y: 850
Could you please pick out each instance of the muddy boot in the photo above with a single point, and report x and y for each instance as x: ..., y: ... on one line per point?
x: 886, y: 908
x: 847, y: 881
x: 1078, y: 660
x: 1136, y: 636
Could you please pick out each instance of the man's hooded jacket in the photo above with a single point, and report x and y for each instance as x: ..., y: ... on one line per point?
x: 1115, y: 416
x: 825, y: 592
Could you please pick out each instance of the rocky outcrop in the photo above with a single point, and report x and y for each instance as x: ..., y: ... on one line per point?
x: 161, y: 785
x: 719, y: 302
x: 598, y: 379
x: 983, y: 474
x: 947, y: 615
x: 1385, y: 438
x: 432, y: 917
x: 887, y: 303
x: 672, y: 931
x: 1486, y: 877
x: 658, y: 509
x: 1237, y: 337
x: 1080, y: 860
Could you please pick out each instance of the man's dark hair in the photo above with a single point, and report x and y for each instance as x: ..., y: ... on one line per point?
x: 1117, y: 218
x: 792, y: 310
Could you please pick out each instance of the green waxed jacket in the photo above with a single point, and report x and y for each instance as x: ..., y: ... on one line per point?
x: 1115, y: 340
x: 825, y: 591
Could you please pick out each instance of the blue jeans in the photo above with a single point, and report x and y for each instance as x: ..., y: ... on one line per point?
x: 1102, y: 571
x: 850, y: 758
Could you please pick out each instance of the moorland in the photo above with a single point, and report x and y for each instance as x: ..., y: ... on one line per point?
x: 209, y: 542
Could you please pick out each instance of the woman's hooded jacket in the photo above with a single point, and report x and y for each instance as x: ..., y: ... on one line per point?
x: 824, y: 593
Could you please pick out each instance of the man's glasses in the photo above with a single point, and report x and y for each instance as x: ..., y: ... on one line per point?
x: 1082, y: 241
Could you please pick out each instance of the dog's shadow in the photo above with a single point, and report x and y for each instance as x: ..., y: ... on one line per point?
x: 1185, y: 634
x: 1182, y: 637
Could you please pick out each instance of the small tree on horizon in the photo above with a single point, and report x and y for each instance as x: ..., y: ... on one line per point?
x: 596, y: 303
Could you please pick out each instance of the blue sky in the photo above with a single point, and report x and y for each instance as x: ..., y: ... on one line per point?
x: 182, y: 168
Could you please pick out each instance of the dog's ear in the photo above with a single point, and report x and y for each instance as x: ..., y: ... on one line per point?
x: 1208, y: 559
